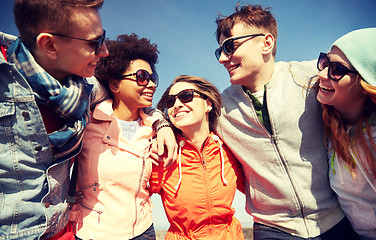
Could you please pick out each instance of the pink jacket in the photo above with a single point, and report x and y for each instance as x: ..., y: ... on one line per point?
x: 113, y: 176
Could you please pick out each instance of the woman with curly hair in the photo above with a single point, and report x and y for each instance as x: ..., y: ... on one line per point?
x: 114, y: 164
x: 347, y: 92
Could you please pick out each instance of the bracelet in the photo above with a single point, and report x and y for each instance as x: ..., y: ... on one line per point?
x: 162, y: 125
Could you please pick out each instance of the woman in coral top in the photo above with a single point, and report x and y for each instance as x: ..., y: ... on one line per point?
x: 198, y: 189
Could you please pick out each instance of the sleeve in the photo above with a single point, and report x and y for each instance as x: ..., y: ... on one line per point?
x: 240, y: 178
x: 156, y: 179
x: 6, y: 39
x: 156, y: 113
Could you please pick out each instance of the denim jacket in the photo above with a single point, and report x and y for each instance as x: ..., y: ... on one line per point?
x: 33, y: 188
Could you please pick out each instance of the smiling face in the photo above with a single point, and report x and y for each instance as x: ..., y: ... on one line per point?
x: 130, y: 96
x: 246, y: 62
x: 77, y: 56
x: 344, y: 95
x: 190, y: 117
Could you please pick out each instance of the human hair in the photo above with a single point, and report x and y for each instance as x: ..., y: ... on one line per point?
x: 342, y: 140
x: 203, y: 86
x: 251, y: 15
x: 122, y: 52
x: 32, y: 16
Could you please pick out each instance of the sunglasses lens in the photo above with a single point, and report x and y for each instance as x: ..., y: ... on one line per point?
x: 322, y: 63
x: 185, y: 96
x: 143, y: 77
x: 155, y: 79
x: 337, y: 71
x: 228, y: 47
x: 170, y: 101
x: 100, y: 43
x: 218, y: 53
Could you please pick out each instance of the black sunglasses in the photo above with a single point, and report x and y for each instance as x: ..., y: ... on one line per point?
x: 336, y: 71
x: 143, y: 77
x: 185, y: 96
x: 97, y: 43
x: 228, y: 47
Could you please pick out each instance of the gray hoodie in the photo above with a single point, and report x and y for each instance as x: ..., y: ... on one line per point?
x: 287, y: 184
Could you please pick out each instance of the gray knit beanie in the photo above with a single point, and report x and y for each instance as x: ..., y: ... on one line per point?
x: 359, y: 47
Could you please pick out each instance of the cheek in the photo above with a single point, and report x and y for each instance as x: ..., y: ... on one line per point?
x: 169, y: 113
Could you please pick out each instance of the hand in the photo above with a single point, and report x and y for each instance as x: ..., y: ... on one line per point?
x: 165, y: 148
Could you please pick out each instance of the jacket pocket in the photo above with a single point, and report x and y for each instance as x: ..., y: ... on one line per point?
x: 7, y: 120
x: 6, y: 109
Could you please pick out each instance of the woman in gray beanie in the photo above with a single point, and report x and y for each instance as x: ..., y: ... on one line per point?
x: 347, y: 92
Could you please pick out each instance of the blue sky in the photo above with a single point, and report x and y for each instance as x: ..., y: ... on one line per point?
x: 184, y: 32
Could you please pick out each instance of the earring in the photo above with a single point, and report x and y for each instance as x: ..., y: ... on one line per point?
x: 209, y: 109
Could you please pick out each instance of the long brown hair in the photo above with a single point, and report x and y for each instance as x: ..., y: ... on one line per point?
x: 206, y: 88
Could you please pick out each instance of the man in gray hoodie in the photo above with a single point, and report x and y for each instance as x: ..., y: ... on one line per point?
x: 272, y: 123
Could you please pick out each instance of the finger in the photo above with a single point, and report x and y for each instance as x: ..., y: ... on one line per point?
x: 172, y: 155
x: 160, y: 143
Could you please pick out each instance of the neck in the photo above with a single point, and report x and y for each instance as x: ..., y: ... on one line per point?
x: 197, y: 136
x: 49, y: 66
x: 124, y: 112
x: 261, y: 78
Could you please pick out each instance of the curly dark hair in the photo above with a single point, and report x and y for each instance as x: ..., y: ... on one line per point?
x: 122, y: 51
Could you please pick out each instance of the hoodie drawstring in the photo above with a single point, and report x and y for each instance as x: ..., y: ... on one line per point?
x: 216, y: 138
x: 353, y: 155
x: 181, y: 145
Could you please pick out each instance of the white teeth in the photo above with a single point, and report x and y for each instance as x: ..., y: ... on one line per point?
x: 326, y: 89
x: 231, y: 68
x: 179, y: 114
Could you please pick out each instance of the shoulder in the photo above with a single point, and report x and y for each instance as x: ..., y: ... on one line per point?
x: 308, y: 68
x: 6, y: 39
x: 233, y: 93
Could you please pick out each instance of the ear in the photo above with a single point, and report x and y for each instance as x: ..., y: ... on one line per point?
x: 46, y: 44
x: 114, y: 85
x: 268, y: 44
x: 209, y: 105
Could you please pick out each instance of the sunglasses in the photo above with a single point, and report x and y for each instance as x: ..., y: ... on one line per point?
x: 185, y: 96
x: 97, y: 43
x: 228, y: 46
x: 143, y: 77
x: 336, y: 71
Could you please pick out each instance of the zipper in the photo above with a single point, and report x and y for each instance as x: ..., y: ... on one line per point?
x: 274, y: 140
x: 140, y: 185
x: 208, y: 192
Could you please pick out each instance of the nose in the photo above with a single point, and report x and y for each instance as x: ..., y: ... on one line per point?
x: 178, y: 103
x: 104, y: 51
x: 223, y: 58
x: 151, y: 84
x: 323, y: 74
